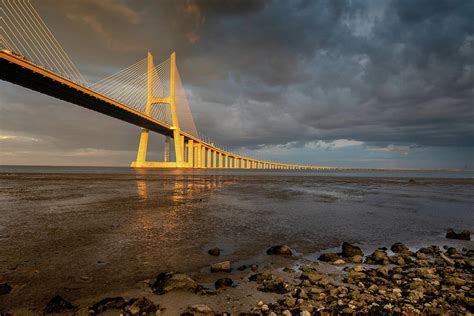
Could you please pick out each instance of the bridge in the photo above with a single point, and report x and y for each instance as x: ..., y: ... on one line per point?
x: 145, y: 94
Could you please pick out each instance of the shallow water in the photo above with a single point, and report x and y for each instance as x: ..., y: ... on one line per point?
x: 82, y: 232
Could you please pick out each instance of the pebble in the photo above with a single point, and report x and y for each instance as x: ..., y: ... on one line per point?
x: 214, y: 252
x: 221, y: 267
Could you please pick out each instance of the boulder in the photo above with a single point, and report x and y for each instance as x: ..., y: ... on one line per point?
x: 59, y: 305
x: 279, y: 250
x: 214, y: 252
x: 329, y: 257
x: 169, y: 281
x: 349, y: 250
x: 108, y: 303
x: 224, y: 282
x: 221, y: 267
x: 464, y: 235
x: 398, y: 247
x: 5, y: 288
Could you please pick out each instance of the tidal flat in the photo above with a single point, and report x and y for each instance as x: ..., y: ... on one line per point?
x: 86, y: 236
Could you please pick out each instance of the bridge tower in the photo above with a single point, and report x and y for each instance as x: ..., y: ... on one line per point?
x: 177, y: 137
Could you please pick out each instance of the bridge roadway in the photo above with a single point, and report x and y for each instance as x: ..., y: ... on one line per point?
x: 22, y: 72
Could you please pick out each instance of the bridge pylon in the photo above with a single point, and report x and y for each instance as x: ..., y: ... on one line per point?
x: 179, y: 145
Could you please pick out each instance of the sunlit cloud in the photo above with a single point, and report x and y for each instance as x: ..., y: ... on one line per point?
x: 335, y: 144
x: 399, y: 149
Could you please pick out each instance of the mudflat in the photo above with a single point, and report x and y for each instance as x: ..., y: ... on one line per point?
x: 88, y: 236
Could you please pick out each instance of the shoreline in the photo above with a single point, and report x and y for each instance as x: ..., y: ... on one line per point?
x: 431, y: 279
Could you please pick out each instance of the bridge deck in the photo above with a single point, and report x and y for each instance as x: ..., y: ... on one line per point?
x: 28, y: 75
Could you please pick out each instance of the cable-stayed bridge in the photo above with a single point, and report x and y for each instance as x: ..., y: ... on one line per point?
x: 145, y: 94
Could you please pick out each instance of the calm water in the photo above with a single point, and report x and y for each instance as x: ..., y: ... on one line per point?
x: 119, y: 227
x: 468, y: 174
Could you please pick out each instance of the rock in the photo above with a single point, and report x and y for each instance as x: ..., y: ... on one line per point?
x: 378, y: 257
x: 455, y: 281
x: 242, y: 267
x: 169, y: 281
x: 398, y: 247
x: 397, y: 276
x: 142, y: 306
x: 224, y: 282
x: 355, y: 275
x: 254, y: 267
x: 260, y: 277
x: 415, y: 296
x: 446, y: 259
x: 221, y: 267
x: 199, y: 310
x: 301, y: 293
x: 397, y: 260
x: 312, y: 276
x: 357, y: 259
x: 425, y: 273
x: 279, y: 250
x: 108, y: 303
x: 59, y: 305
x: 305, y: 313
x: 464, y: 235
x: 214, y: 252
x: 289, y: 301
x: 412, y: 181
x: 349, y: 250
x: 421, y: 256
x: 5, y: 288
x: 339, y: 262
x: 329, y: 257
x: 383, y: 271
x: 276, y: 285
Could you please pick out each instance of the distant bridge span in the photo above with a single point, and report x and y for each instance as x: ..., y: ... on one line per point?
x: 144, y: 94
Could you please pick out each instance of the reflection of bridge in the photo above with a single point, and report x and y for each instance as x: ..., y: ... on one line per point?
x: 144, y: 94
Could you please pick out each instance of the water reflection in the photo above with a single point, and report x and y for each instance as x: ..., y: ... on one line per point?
x: 142, y: 189
x: 166, y: 203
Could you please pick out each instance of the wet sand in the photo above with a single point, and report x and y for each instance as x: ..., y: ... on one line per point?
x: 89, y: 236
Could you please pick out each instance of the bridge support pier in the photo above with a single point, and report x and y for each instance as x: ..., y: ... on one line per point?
x: 142, y: 148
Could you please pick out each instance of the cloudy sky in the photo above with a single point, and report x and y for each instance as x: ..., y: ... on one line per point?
x: 347, y: 83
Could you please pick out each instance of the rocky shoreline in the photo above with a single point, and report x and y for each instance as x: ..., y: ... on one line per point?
x: 431, y: 280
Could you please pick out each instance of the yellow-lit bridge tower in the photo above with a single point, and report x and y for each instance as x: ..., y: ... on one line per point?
x: 178, y: 138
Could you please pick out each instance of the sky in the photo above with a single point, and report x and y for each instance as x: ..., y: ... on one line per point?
x: 387, y: 84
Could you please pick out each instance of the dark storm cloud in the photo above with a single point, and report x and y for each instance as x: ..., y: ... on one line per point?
x: 274, y: 72
x: 397, y: 72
